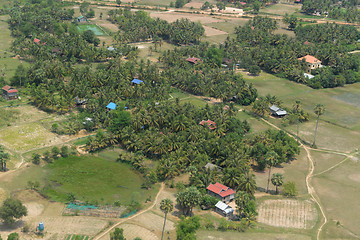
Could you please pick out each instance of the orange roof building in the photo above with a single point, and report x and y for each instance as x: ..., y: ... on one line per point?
x: 312, y: 62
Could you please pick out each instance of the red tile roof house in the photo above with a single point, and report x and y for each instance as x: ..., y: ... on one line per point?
x: 36, y: 40
x: 312, y: 62
x: 221, y: 192
x: 193, y: 60
x: 9, y: 93
x: 209, y: 123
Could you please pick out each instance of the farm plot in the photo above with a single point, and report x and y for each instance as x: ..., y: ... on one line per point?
x: 132, y: 231
x: 93, y: 27
x: 288, y: 213
x: 154, y: 222
x: 173, y: 16
x: 27, y: 136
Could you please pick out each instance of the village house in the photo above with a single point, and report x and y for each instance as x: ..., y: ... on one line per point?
x: 193, y: 60
x: 211, y: 124
x: 81, y: 19
x: 10, y: 93
x: 312, y: 62
x: 277, y: 112
x: 212, y: 167
x: 224, y: 209
x: 137, y: 81
x: 221, y: 192
x: 111, y: 106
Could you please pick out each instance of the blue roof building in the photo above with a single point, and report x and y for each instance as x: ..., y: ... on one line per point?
x: 111, y: 106
x: 137, y: 81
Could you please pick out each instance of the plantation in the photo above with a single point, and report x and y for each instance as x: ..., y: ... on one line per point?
x: 93, y: 179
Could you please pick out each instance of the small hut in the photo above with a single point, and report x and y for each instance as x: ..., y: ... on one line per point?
x: 9, y: 93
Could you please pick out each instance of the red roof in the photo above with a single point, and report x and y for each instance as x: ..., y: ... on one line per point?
x: 211, y: 124
x: 307, y: 43
x: 242, y: 3
x: 36, y: 40
x: 193, y: 59
x: 220, y: 189
x: 310, y: 59
x: 9, y: 89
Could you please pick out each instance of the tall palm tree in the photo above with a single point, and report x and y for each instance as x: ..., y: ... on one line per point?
x: 166, y: 205
x: 277, y: 180
x: 318, y: 110
x: 297, y: 107
x: 272, y: 159
x: 248, y: 183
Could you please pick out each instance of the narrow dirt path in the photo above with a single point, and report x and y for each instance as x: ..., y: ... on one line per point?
x: 310, y: 188
x: 102, y: 234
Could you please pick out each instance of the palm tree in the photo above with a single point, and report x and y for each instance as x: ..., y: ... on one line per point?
x: 297, y: 107
x: 248, y: 184
x: 277, y: 180
x: 166, y: 205
x: 318, y: 110
x: 271, y: 159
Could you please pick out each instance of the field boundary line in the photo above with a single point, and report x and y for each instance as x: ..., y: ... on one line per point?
x: 310, y: 188
x: 131, y: 217
x: 348, y: 157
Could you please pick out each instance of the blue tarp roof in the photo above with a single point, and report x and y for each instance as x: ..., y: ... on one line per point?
x: 137, y: 81
x: 111, y: 106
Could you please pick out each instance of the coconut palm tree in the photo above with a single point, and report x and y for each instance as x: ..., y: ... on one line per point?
x: 271, y: 159
x: 166, y: 205
x: 277, y: 180
x: 318, y: 110
x: 297, y: 107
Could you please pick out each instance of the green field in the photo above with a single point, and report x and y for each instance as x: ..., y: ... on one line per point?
x: 93, y: 27
x: 94, y: 178
x: 77, y: 237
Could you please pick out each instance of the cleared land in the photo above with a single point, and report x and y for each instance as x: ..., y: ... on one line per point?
x: 287, y: 213
x: 93, y: 27
x: 217, y: 235
x: 92, y: 178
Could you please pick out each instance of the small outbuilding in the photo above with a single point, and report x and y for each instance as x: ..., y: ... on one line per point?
x: 81, y: 19
x: 212, y: 167
x: 224, y: 209
x: 137, y: 81
x: 211, y: 124
x: 111, y: 106
x: 9, y: 93
x: 193, y: 60
x: 277, y: 112
x: 221, y: 192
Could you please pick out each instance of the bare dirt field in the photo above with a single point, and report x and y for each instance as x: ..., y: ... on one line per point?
x: 193, y: 4
x: 173, y: 16
x: 154, y: 222
x: 288, y: 213
x: 132, y: 231
x: 209, y: 31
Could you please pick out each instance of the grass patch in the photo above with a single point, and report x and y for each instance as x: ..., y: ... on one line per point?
x: 281, y: 9
x: 92, y: 178
x: 8, y: 115
x: 26, y: 136
x: 339, y: 191
x: 93, y: 27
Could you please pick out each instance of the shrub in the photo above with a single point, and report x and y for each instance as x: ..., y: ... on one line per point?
x: 290, y: 189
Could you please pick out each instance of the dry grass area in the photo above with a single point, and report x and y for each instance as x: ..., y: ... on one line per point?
x: 173, y: 16
x: 153, y: 222
x: 288, y: 213
x: 56, y: 225
x: 209, y: 31
x: 132, y: 231
x: 28, y: 136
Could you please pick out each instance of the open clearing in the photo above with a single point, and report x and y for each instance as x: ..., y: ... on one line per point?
x: 287, y: 213
x: 173, y: 16
x: 92, y: 178
x: 93, y: 27
x: 132, y: 231
x: 218, y: 235
x: 27, y: 136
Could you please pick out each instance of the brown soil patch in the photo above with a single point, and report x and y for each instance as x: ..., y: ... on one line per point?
x: 34, y: 209
x: 112, y: 27
x: 288, y: 213
x: 165, y: 194
x: 194, y: 5
x: 209, y: 31
x: 173, y: 16
x: 132, y: 231
x: 355, y: 177
x: 154, y: 222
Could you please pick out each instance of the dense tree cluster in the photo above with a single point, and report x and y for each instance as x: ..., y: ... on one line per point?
x: 256, y: 44
x: 139, y: 26
x: 205, y: 78
x: 346, y: 10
